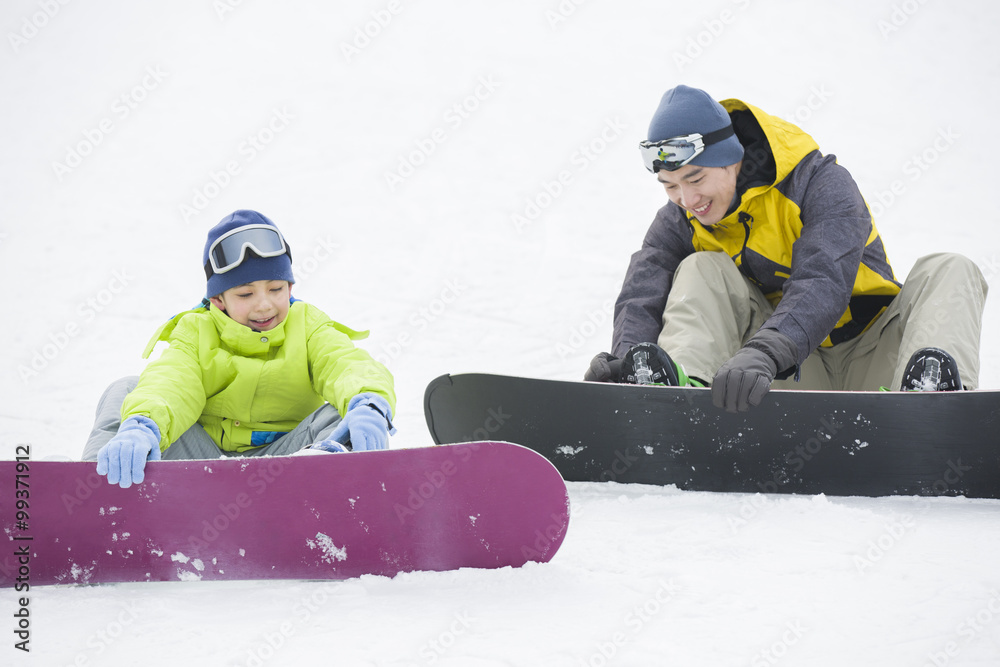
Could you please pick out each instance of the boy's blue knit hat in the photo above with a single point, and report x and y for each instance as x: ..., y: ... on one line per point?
x: 253, y: 267
x: 685, y: 110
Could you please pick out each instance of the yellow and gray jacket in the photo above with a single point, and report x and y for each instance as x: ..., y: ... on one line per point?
x: 799, y: 229
x: 247, y: 387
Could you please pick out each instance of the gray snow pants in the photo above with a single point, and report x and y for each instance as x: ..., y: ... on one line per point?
x: 195, y: 443
x: 712, y: 310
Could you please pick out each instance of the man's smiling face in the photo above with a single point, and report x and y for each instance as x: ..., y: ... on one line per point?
x: 704, y: 192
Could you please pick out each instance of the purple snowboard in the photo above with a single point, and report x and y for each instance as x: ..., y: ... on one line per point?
x: 328, y: 516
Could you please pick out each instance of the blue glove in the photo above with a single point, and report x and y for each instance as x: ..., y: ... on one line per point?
x: 366, y: 425
x: 124, y: 458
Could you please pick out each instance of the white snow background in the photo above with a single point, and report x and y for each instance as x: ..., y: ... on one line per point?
x: 131, y: 128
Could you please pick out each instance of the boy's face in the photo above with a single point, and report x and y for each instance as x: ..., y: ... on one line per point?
x: 260, y: 305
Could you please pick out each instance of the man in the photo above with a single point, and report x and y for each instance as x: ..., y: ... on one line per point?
x: 766, y: 266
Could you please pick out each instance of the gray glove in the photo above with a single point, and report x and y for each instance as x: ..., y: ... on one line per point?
x: 604, y: 368
x: 746, y: 378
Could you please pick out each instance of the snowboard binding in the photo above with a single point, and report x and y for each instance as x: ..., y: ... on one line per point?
x: 647, y: 363
x: 931, y: 369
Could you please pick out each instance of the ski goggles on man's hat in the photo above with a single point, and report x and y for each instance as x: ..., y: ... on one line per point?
x: 229, y: 250
x: 672, y: 154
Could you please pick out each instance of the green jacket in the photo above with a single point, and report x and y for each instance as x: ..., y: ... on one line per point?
x: 246, y: 387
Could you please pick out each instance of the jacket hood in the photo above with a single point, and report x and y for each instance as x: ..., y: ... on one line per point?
x: 773, y: 146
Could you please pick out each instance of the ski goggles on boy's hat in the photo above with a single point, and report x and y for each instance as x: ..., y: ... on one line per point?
x: 229, y: 250
x: 672, y: 154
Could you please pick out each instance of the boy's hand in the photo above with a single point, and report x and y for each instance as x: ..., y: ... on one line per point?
x: 366, y: 425
x: 123, y: 459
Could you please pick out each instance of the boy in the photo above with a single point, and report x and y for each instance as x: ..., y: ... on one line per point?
x: 766, y: 264
x: 249, y: 372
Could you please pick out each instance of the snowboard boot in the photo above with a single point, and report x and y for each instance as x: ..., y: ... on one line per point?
x: 647, y: 363
x: 931, y: 369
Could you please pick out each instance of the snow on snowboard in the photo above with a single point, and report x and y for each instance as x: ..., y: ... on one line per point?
x: 837, y: 443
x: 325, y: 516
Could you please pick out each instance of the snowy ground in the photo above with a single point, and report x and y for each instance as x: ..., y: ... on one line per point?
x: 463, y: 179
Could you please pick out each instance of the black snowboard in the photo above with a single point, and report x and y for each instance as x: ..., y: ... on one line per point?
x: 837, y: 443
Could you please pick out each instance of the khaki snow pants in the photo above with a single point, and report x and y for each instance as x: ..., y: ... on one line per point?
x: 712, y: 310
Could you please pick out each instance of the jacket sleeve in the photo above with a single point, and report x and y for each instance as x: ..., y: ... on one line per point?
x: 170, y: 389
x: 639, y: 309
x: 340, y: 371
x: 836, y: 225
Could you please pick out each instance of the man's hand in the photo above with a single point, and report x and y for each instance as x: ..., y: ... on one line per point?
x: 604, y: 368
x: 747, y: 376
x: 743, y: 380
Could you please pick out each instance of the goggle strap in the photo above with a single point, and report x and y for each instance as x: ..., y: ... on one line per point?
x: 706, y: 139
x: 718, y: 135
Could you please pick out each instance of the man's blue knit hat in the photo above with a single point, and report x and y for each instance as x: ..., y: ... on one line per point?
x: 685, y: 110
x: 253, y: 267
